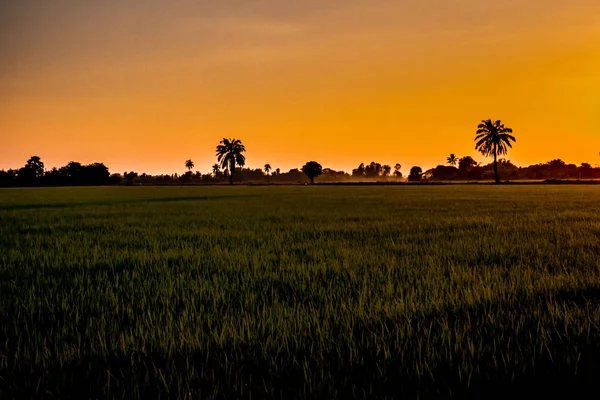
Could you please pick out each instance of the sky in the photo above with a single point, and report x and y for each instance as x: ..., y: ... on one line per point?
x: 146, y: 85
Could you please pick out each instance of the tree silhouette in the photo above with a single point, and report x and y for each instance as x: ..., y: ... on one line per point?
x: 267, y: 170
x: 189, y: 164
x: 397, y: 169
x: 36, y: 166
x: 585, y: 170
x: 312, y: 169
x: 229, y: 153
x: 216, y: 170
x: 360, y: 171
x: 374, y: 169
x: 493, y: 139
x: 452, y: 160
x: 130, y: 177
x: 73, y: 171
x: 466, y: 163
x: 415, y: 174
x: 277, y: 171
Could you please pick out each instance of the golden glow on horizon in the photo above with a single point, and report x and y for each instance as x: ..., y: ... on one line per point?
x: 337, y: 82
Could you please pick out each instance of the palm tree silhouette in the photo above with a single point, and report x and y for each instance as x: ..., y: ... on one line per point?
x: 452, y: 160
x: 189, y: 164
x: 493, y: 138
x: 267, y: 170
x: 229, y: 153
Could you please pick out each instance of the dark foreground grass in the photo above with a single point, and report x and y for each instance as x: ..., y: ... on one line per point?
x: 299, y: 292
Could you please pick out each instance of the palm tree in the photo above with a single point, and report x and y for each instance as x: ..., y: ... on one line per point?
x: 452, y: 160
x: 493, y: 138
x: 267, y: 170
x: 229, y: 153
x: 189, y: 164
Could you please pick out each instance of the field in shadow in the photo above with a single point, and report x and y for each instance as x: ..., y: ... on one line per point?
x: 518, y: 364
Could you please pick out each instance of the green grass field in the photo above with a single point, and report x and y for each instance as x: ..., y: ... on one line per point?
x: 295, y: 292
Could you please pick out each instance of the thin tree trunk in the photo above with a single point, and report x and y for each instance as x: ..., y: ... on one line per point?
x: 496, y: 165
x: 312, y: 180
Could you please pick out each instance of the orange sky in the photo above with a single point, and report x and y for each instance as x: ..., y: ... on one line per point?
x: 145, y: 87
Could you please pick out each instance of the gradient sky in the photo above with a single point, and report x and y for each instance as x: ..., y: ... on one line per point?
x: 145, y: 85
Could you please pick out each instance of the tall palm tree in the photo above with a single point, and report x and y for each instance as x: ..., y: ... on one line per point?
x: 267, y: 170
x: 189, y: 164
x: 493, y: 138
x: 452, y: 160
x: 229, y: 153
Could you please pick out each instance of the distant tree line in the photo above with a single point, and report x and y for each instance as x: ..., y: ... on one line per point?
x: 492, y: 139
x: 72, y: 174
x: 470, y: 170
x: 465, y: 169
x: 375, y: 169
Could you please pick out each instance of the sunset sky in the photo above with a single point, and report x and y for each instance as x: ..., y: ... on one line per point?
x: 145, y: 85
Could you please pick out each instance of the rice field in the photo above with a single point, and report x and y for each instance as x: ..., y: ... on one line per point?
x: 299, y: 291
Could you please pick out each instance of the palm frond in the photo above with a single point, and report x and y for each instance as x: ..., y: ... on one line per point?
x: 481, y: 141
x: 240, y: 159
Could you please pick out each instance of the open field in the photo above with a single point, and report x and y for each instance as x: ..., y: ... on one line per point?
x: 364, y: 292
